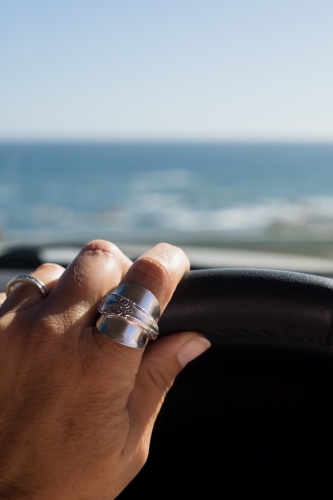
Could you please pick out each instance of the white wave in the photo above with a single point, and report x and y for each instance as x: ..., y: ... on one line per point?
x: 315, y: 213
x: 151, y: 210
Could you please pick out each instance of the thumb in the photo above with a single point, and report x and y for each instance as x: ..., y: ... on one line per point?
x: 161, y: 363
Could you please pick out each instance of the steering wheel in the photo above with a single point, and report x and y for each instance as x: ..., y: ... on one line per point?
x: 255, y: 302
x: 259, y: 404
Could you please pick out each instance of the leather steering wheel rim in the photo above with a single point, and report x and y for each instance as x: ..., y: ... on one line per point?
x: 288, y: 305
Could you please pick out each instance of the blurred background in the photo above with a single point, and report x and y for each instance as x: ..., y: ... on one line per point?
x: 206, y: 124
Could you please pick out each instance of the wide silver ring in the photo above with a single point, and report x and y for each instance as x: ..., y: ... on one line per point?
x: 27, y: 278
x: 129, y: 315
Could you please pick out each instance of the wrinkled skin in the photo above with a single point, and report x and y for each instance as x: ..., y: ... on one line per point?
x: 76, y: 408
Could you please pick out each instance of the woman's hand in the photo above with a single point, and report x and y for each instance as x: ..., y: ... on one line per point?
x: 76, y: 408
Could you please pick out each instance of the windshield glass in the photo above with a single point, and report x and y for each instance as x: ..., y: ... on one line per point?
x: 212, y: 194
x: 195, y: 123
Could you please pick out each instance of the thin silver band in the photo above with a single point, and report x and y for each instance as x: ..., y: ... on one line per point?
x: 129, y: 315
x: 26, y: 278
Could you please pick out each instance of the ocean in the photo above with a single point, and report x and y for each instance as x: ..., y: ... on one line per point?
x: 185, y: 193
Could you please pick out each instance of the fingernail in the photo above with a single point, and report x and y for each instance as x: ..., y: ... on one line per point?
x: 192, y: 349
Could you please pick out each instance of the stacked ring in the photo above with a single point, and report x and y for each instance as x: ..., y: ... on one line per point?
x: 129, y: 315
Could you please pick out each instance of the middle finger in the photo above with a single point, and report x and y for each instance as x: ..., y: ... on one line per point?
x: 96, y: 270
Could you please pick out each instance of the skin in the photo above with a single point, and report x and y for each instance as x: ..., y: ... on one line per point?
x: 77, y: 409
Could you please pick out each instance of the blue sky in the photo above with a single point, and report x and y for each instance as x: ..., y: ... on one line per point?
x: 174, y: 70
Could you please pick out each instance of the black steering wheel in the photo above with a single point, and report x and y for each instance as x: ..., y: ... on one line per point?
x: 255, y: 302
x: 258, y: 406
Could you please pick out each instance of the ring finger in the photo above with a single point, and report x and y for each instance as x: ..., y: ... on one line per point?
x: 25, y: 295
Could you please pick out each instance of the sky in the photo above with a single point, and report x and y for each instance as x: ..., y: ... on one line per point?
x: 166, y: 70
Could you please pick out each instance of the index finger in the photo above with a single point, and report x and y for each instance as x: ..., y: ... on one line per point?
x: 159, y: 270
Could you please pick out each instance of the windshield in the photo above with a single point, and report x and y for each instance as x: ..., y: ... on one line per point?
x: 199, y: 124
x: 213, y: 194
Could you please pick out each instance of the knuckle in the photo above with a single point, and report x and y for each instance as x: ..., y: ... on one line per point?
x: 173, y: 253
x: 183, y: 255
x: 171, y: 247
x: 96, y: 247
x: 153, y: 271
x: 102, y: 251
x: 50, y: 266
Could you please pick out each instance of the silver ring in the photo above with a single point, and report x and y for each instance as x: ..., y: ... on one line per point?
x: 27, y: 278
x: 129, y: 315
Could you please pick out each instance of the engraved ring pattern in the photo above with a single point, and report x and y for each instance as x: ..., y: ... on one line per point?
x: 115, y: 304
x: 129, y: 315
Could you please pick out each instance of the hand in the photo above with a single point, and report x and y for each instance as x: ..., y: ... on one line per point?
x: 76, y: 408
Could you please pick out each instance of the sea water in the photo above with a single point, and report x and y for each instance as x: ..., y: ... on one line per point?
x: 182, y: 192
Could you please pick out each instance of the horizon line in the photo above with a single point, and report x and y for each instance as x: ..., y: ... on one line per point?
x: 166, y: 140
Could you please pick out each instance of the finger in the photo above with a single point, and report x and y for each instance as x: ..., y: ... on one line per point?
x: 2, y: 298
x: 25, y: 295
x: 160, y: 365
x: 96, y: 270
x: 159, y: 270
